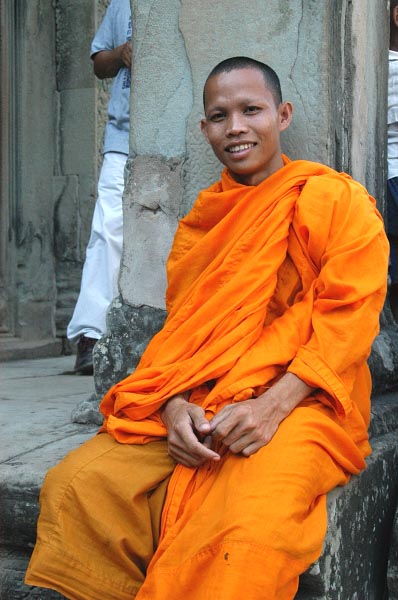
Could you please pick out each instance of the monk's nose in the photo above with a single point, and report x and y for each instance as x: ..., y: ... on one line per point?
x: 236, y: 124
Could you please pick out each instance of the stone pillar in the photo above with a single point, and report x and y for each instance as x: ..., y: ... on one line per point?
x: 48, y: 147
x: 75, y: 172
x: 332, y: 61
x: 35, y: 123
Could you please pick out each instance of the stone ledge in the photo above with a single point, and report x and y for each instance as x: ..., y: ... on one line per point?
x: 16, y: 349
x: 354, y: 561
x: 21, y: 479
x: 353, y: 564
x: 12, y: 571
x: 392, y: 574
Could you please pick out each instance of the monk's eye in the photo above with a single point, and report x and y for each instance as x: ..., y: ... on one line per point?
x: 252, y: 110
x: 216, y: 117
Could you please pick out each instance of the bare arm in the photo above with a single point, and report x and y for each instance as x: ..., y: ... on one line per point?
x: 107, y: 63
x: 247, y: 426
x: 188, y: 432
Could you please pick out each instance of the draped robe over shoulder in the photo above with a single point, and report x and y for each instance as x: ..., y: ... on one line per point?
x: 289, y: 275
x: 262, y: 280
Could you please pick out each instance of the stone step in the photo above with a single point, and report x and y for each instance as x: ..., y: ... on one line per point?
x: 21, y: 478
x: 13, y: 565
x: 12, y: 348
x: 352, y: 566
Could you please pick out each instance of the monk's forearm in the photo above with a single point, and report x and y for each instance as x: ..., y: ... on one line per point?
x: 173, y: 404
x: 288, y: 392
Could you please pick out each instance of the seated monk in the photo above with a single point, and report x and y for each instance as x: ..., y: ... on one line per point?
x: 208, y: 479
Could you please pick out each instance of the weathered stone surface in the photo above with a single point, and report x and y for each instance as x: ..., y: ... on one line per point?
x: 392, y: 574
x: 153, y: 197
x: 12, y: 571
x: 160, y: 65
x: 78, y: 130
x: 87, y: 411
x: 117, y: 353
x: 353, y: 564
x: 21, y: 479
x: 30, y: 227
x: 384, y: 414
x: 383, y: 361
x: 53, y: 135
x: 74, y: 67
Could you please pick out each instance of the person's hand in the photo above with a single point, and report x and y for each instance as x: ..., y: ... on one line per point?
x: 247, y: 426
x: 107, y: 63
x: 125, y: 52
x: 187, y: 432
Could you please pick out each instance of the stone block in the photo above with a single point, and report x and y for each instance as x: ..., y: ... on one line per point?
x: 150, y: 220
x: 75, y: 30
x: 353, y: 564
x: 77, y: 130
x: 87, y: 411
x: 118, y: 352
x: 21, y: 478
x: 12, y: 572
x: 392, y: 573
x: 383, y: 360
x: 66, y: 218
x: 160, y: 63
x: 36, y: 317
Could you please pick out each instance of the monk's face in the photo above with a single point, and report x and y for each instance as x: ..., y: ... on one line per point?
x: 243, y: 124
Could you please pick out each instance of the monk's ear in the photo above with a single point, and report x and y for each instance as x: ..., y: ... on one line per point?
x: 203, y: 128
x: 285, y: 112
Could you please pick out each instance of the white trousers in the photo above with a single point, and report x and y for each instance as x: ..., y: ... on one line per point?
x: 99, y: 283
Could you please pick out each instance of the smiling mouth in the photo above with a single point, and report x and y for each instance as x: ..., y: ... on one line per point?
x: 239, y: 148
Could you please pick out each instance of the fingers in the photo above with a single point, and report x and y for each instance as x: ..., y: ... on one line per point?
x: 229, y: 424
x: 242, y: 428
x: 187, y: 426
x: 126, y: 54
x: 186, y: 449
x: 199, y: 421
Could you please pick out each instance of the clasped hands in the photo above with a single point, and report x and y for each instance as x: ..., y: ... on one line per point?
x: 243, y: 427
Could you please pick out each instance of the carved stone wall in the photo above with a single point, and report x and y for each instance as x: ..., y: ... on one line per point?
x: 75, y: 176
x: 49, y: 133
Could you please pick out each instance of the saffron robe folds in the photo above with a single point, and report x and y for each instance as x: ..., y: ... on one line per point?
x: 264, y: 280
x: 289, y: 275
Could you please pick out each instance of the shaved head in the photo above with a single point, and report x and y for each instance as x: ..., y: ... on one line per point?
x: 271, y: 79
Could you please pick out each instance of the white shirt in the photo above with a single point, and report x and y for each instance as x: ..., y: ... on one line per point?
x: 115, y: 30
x: 392, y: 136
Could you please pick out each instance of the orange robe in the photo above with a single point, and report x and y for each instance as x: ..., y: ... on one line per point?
x: 289, y: 275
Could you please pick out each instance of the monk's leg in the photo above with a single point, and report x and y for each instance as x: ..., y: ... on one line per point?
x: 100, y: 519
x: 248, y: 527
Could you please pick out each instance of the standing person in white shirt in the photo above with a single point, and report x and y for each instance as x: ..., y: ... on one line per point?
x: 392, y: 155
x: 111, y: 55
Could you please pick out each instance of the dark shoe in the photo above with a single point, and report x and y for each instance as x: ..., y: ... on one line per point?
x: 393, y: 298
x: 84, y: 358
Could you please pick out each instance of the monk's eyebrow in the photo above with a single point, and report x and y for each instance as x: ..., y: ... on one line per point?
x: 215, y: 108
x: 245, y: 101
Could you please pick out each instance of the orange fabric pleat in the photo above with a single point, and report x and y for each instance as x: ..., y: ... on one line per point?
x: 289, y: 275
x: 223, y: 271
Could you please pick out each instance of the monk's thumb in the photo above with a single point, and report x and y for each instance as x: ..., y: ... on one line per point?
x: 200, y: 422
